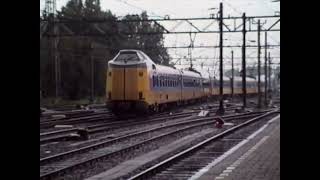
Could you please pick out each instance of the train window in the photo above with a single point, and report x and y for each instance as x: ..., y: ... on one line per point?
x: 127, y: 56
x: 153, y: 66
x: 161, y: 81
x: 157, y: 81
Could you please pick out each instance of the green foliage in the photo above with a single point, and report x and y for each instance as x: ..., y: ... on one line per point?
x: 75, y: 53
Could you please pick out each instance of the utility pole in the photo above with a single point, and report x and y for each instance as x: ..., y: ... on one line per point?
x: 221, y: 108
x: 259, y: 82
x: 265, y: 70
x: 56, y: 63
x: 50, y: 10
x: 50, y: 7
x: 190, y: 51
x: 92, y: 73
x: 232, y: 75
x: 270, y: 71
x: 244, y: 74
x: 190, y: 56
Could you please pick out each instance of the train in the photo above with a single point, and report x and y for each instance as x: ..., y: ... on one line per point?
x: 134, y: 82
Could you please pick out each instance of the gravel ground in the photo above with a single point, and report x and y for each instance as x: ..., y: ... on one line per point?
x: 116, y: 159
x: 55, y: 148
x: 109, y: 163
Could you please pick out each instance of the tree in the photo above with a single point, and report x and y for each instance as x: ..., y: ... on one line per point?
x: 92, y: 9
x: 76, y: 53
x: 152, y: 45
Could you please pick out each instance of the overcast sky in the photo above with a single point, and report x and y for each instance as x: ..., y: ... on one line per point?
x: 200, y: 8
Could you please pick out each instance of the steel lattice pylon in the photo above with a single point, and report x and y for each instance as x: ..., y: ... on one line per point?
x: 50, y: 7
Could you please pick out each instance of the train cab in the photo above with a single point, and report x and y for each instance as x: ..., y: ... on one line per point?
x: 127, y: 80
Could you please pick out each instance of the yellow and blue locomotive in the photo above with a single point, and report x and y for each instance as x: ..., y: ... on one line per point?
x: 135, y: 82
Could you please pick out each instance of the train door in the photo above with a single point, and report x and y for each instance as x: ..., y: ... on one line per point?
x: 118, y: 83
x: 131, y: 83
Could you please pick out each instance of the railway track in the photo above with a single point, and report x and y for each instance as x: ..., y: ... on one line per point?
x: 186, y: 163
x: 60, y: 135
x: 126, y: 129
x: 75, y: 120
x: 90, y: 116
x: 47, y: 116
x: 53, y: 166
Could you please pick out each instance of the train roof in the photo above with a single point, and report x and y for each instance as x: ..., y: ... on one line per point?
x: 248, y: 79
x: 225, y: 78
x: 166, y: 69
x: 204, y: 74
x: 190, y: 73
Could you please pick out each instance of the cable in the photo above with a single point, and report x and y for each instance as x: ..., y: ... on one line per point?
x: 252, y: 19
x: 134, y: 6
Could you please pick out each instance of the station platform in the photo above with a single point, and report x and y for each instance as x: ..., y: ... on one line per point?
x: 255, y: 158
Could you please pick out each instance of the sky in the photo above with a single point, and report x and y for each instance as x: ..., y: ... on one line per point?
x: 201, y: 8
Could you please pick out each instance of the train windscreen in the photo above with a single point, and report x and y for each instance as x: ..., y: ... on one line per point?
x: 127, y: 56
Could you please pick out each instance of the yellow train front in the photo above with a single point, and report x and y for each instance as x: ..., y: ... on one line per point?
x: 127, y: 81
